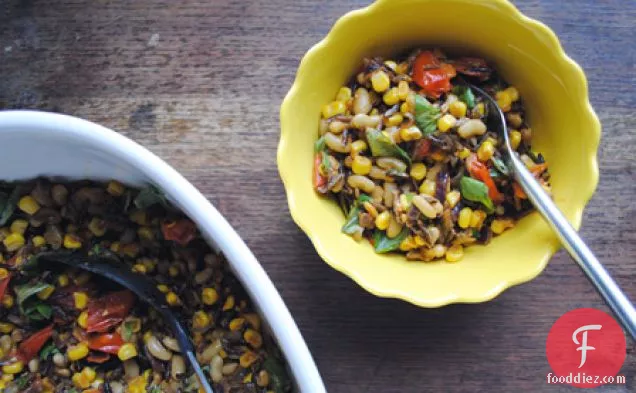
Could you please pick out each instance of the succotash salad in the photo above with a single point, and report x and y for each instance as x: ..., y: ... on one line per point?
x: 67, y: 331
x: 407, y: 153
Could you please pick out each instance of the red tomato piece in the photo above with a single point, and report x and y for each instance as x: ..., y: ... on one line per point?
x: 108, y: 342
x: 30, y: 347
x: 181, y: 231
x: 109, y: 311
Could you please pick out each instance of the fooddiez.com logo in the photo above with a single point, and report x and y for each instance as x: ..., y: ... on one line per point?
x: 586, y: 348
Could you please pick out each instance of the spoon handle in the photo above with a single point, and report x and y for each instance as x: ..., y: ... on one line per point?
x: 596, y: 273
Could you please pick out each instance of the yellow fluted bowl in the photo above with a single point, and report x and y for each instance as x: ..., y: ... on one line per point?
x: 528, y: 55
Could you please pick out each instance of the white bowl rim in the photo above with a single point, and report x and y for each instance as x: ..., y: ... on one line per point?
x: 211, y: 223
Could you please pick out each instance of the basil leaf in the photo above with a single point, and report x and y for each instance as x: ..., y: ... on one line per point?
x: 127, y: 330
x: 426, y: 115
x: 364, y: 198
x: 320, y: 144
x: 23, y: 381
x: 500, y: 165
x: 326, y: 163
x: 476, y: 191
x: 149, y: 196
x: 382, y: 243
x: 9, y: 205
x: 466, y: 95
x: 49, y: 350
x: 24, y: 292
x: 38, y: 311
x: 277, y: 374
x: 382, y: 146
x: 155, y: 389
x: 352, y: 222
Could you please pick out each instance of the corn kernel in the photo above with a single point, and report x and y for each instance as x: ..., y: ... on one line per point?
x: 130, y: 250
x: 390, y: 64
x: 418, y: 171
x: 408, y: 244
x: 503, y: 100
x: 333, y: 108
x: 515, y: 139
x: 139, y: 268
x: 82, y: 320
x: 7, y: 378
x: 405, y: 108
x: 253, y: 338
x: 361, y: 165
x: 477, y: 219
x: 147, y: 336
x: 6, y: 327
x: 402, y: 68
x: 146, y: 233
x: 229, y: 303
x: 172, y: 299
x: 126, y: 352
x: 29, y: 205
x: 358, y: 146
x: 46, y: 292
x: 13, y: 368
x: 19, y: 226
x: 247, y: 359
x: 77, y: 352
x: 403, y: 90
x: 458, y: 109
x: 427, y: 187
x: 139, y: 217
x: 380, y: 81
x: 344, y: 94
x: 72, y: 241
x: 13, y: 242
x: 115, y: 188
x: 465, y: 215
x: 236, y: 324
x: 463, y: 153
x: 452, y: 198
x: 115, y: 247
x: 391, y: 97
x: 248, y: 378
x: 254, y: 320
x: 382, y: 220
x: 38, y: 241
x: 163, y: 288
x: 8, y: 301
x: 485, y: 151
x: 513, y: 93
x: 63, y: 280
x: 97, y: 226
x: 4, y: 273
x: 80, y: 299
x: 410, y: 134
x: 173, y: 271
x: 499, y: 226
x: 89, y: 373
x: 454, y: 253
x: 200, y: 320
x: 395, y: 120
x: 480, y: 109
x: 446, y: 122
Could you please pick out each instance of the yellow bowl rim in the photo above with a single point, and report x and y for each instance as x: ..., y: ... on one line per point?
x: 548, y: 36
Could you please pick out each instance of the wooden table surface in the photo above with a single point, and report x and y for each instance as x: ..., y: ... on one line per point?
x: 199, y: 82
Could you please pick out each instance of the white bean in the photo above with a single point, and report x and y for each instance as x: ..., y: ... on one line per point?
x: 131, y: 369
x: 471, y: 128
x: 391, y: 163
x: 377, y: 194
x: 34, y: 365
x: 6, y: 343
x: 361, y: 182
x: 171, y: 344
x: 363, y: 121
x: 424, y: 206
x: 116, y: 387
x: 390, y: 191
x: 216, y: 368
x: 361, y: 101
x: 229, y: 368
x: 177, y: 367
x: 157, y: 349
x: 59, y: 360
x: 335, y: 143
x: 394, y: 228
x: 336, y: 127
x: 377, y: 173
x: 211, y: 350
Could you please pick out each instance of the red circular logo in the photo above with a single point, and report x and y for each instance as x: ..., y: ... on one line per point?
x: 586, y: 348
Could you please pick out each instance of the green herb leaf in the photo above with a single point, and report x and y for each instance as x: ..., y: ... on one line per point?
x: 466, y: 95
x: 382, y: 243
x: 38, y: 311
x: 326, y: 163
x: 320, y: 144
x: 426, y: 115
x: 9, y: 205
x: 49, y: 350
x: 382, y: 146
x: 277, y: 374
x: 127, y: 330
x: 352, y: 223
x: 23, y: 381
x: 24, y: 292
x: 476, y: 191
x: 500, y: 165
x: 364, y: 198
x: 155, y: 389
x: 149, y: 196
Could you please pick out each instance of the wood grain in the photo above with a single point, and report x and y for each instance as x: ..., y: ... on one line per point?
x: 199, y: 83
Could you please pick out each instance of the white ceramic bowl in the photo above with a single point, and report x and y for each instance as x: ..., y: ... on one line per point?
x: 45, y: 144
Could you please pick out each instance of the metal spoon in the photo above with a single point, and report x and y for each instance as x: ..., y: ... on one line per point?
x: 596, y: 273
x: 144, y: 288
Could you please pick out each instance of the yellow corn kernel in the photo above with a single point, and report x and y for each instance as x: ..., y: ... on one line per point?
x: 63, y: 280
x: 77, y: 352
x: 97, y: 226
x: 333, y: 108
x: 7, y: 378
x: 454, y: 253
x: 80, y: 381
x: 82, y: 320
x: 3, y: 384
x: 253, y: 338
x: 19, y: 226
x: 163, y: 288
x: 13, y: 368
x: 146, y: 233
x: 485, y: 151
x: 254, y: 320
x: 427, y: 187
x: 139, y: 217
x: 410, y: 134
x: 503, y: 100
x: 173, y: 271
x: 229, y: 303
x: 361, y: 165
x: 4, y: 273
x: 46, y: 292
x: 172, y: 299
x: 382, y: 220
x: 139, y: 268
x: 247, y: 359
x: 137, y: 384
x: 395, y: 120
x: 480, y: 109
x: 370, y: 209
x: 452, y: 198
x: 402, y: 68
x: 391, y: 64
x: 499, y: 226
x: 8, y: 301
x: 408, y: 244
x: 200, y: 320
x: 403, y: 90
x: 477, y: 219
x: 344, y: 94
x: 29, y: 205
x: 209, y: 296
x: 463, y: 153
x: 418, y: 240
x: 6, y: 327
x: 405, y: 108
x: 47, y: 386
x: 418, y: 171
x: 515, y: 139
x: 465, y: 215
x: 446, y: 122
x: 126, y: 352
x: 236, y: 324
x: 358, y: 146
x: 80, y: 299
x: 115, y: 188
x: 130, y: 250
x: 391, y: 97
x: 458, y: 109
x: 13, y: 242
x: 38, y: 241
x: 89, y: 373
x: 513, y: 93
x: 380, y: 81
x: 374, y: 112
x: 147, y: 336
x: 72, y: 241
x: 247, y: 378
x: 115, y: 247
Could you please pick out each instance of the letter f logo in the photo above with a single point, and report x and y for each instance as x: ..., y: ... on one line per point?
x: 584, y: 347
